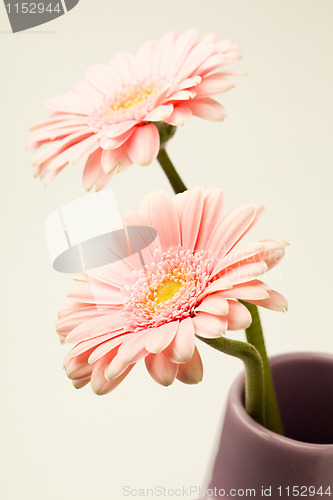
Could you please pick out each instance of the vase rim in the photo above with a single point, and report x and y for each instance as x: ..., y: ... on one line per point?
x: 235, y: 399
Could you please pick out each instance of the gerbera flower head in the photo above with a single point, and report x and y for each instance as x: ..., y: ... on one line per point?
x: 112, y: 117
x: 194, y: 273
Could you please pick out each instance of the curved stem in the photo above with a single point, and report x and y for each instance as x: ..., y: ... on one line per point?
x: 254, y: 336
x: 170, y: 171
x: 254, y: 373
x: 260, y: 393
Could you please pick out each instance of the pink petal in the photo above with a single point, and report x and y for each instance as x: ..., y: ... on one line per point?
x: 52, y: 121
x: 208, y: 109
x: 123, y: 64
x: 274, y: 252
x: 246, y: 272
x: 239, y: 316
x: 49, y: 176
x: 92, y: 169
x: 192, y: 371
x: 102, y: 180
x: 50, y: 153
x: 58, y: 122
x: 211, y: 215
x: 86, y: 91
x: 115, y: 369
x: 70, y: 319
x: 211, y: 63
x: 75, y: 153
x: 252, y: 290
x: 189, y: 82
x: 161, y: 336
x: 78, y: 384
x: 97, y: 292
x: 275, y: 302
x: 209, y: 325
x: 96, y: 327
x: 179, y: 116
x: 99, y: 384
x: 102, y: 78
x: 117, y: 129
x: 233, y: 228
x: 144, y: 145
x: 42, y: 159
x: 202, y: 49
x: 144, y: 58
x: 78, y: 368
x: 108, y: 280
x: 115, y: 158
x: 72, y: 103
x: 180, y: 50
x: 160, y: 113
x: 147, y: 240
x: 189, y: 207
x: 133, y: 349
x: 163, y: 52
x: 182, y: 95
x: 56, y: 133
x: 107, y: 347
x: 162, y: 370
x: 115, y: 142
x: 213, y: 84
x: 232, y: 57
x: 214, y: 304
x: 86, y: 345
x: 233, y: 73
x: 250, y: 252
x: 160, y: 213
x: 216, y: 286
x: 182, y: 347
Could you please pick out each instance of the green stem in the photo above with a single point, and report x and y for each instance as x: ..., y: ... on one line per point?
x: 254, y: 336
x: 254, y: 374
x: 170, y: 171
x: 259, y: 387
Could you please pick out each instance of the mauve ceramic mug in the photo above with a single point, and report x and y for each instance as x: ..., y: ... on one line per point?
x: 297, y: 464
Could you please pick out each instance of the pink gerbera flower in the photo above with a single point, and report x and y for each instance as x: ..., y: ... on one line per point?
x: 109, y: 117
x: 122, y: 312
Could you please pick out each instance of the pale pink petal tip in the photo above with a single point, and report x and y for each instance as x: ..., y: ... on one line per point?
x: 275, y: 302
x: 182, y: 347
x: 161, y: 368
x: 144, y: 145
x: 192, y: 371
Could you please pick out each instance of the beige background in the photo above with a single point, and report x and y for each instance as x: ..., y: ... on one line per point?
x: 274, y: 148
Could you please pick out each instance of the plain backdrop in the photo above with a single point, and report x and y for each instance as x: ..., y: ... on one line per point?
x: 275, y: 148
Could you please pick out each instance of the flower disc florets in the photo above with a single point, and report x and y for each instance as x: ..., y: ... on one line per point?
x: 168, y: 289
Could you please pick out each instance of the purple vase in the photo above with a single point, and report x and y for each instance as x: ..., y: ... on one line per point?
x: 253, y: 461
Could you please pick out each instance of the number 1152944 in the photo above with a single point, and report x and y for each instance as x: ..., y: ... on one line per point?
x: 304, y: 491
x: 33, y: 8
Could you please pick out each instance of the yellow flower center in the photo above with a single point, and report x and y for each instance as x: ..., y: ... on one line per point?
x: 167, y: 290
x: 130, y: 97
